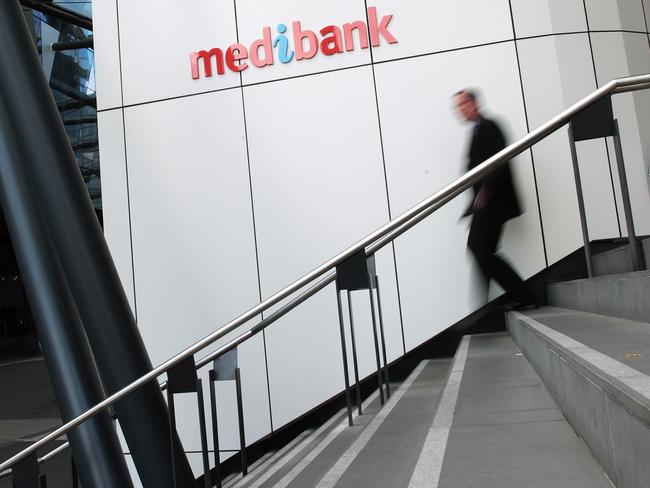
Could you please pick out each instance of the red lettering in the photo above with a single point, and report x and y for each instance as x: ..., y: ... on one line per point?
x: 298, y: 36
x: 235, y: 53
x: 379, y: 29
x: 360, y: 27
x: 306, y: 44
x: 207, y: 56
x: 264, y: 43
x: 331, y: 44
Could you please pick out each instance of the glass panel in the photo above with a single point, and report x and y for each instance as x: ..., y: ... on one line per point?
x: 72, y: 80
x: 83, y: 8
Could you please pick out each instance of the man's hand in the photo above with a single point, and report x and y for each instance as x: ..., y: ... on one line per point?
x: 481, y: 199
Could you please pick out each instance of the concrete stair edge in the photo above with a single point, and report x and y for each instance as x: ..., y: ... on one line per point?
x: 625, y: 295
x: 611, y: 414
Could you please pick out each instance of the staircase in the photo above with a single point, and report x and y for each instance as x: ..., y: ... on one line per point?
x: 482, y: 420
x: 560, y: 400
x: 591, y: 348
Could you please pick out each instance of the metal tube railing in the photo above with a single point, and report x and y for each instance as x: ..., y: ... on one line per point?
x: 371, y: 243
x: 330, y: 278
x: 622, y: 85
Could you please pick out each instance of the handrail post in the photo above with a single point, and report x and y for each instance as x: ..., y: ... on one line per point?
x: 216, y: 480
x: 26, y: 473
x: 637, y: 257
x: 240, y: 420
x: 344, y: 354
x: 355, y: 361
x: 375, y: 279
x: 581, y: 203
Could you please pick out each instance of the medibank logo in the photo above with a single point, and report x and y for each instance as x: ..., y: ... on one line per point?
x: 306, y: 44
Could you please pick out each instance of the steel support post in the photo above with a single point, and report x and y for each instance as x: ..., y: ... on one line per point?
x: 344, y: 353
x: 72, y: 370
x: 240, y: 416
x: 581, y: 204
x: 215, y: 430
x: 355, y: 361
x: 204, y: 433
x: 376, y: 341
x: 637, y: 256
x: 383, y: 337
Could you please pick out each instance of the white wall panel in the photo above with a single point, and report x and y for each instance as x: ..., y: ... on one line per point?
x: 253, y: 15
x: 157, y: 37
x: 423, y: 26
x: 317, y: 172
x: 426, y: 258
x: 192, y: 226
x: 318, y: 180
x: 115, y: 198
x: 556, y: 73
x: 556, y: 187
x: 617, y: 55
x: 318, y: 186
x: 578, y: 80
x: 425, y: 145
x: 389, y: 302
x: 549, y: 17
x: 615, y: 15
x: 107, y: 54
x: 522, y: 237
x: 304, y: 357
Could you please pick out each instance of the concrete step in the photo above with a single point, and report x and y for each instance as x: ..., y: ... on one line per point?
x: 624, y: 295
x: 484, y: 420
x: 597, y: 369
x: 618, y: 260
x: 287, y: 464
x: 336, y: 451
x: 498, y: 426
x: 385, y: 455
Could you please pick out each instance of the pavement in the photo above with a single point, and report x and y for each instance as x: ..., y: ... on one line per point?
x: 28, y: 411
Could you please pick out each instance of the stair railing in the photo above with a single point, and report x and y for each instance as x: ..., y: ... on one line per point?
x: 329, y: 271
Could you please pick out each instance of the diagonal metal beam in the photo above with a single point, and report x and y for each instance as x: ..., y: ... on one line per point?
x: 95, y: 446
x: 69, y: 215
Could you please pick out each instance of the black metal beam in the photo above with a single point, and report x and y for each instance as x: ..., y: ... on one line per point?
x: 75, y: 104
x: 79, y: 121
x: 95, y: 445
x: 72, y: 45
x: 80, y: 146
x: 67, y: 210
x: 72, y: 93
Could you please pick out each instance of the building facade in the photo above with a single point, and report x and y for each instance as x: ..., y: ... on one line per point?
x: 220, y: 190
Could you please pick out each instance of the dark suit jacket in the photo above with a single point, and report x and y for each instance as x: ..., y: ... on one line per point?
x: 503, y: 202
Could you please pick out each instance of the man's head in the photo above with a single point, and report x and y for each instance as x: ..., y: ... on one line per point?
x: 466, y: 105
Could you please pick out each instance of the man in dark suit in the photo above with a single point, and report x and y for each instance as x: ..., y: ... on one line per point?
x: 494, y: 202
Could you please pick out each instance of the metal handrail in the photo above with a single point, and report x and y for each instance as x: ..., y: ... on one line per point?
x: 371, y: 244
x: 329, y: 278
